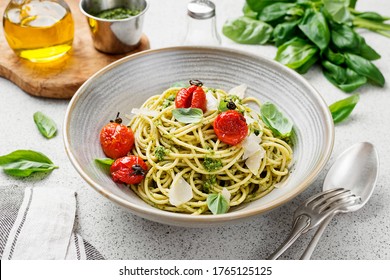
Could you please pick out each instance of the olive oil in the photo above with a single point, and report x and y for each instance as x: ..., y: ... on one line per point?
x: 39, y: 30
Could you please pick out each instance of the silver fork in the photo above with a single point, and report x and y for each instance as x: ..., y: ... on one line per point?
x: 314, y: 211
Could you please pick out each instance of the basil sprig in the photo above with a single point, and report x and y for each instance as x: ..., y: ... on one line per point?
x: 342, y: 109
x: 46, y: 125
x: 307, y: 32
x: 275, y: 120
x: 188, y: 115
x: 217, y: 203
x: 23, y: 163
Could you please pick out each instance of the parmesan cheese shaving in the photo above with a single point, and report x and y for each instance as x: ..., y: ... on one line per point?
x: 254, y: 161
x: 212, y: 102
x: 145, y: 112
x: 239, y: 91
x: 180, y: 192
x: 226, y: 194
x: 251, y: 145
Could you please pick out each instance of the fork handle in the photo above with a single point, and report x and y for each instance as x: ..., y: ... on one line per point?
x: 317, y: 236
x: 300, y: 224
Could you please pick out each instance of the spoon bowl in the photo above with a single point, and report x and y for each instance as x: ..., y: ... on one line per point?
x: 357, y: 170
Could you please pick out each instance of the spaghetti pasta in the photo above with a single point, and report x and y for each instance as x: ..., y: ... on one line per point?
x: 176, y: 151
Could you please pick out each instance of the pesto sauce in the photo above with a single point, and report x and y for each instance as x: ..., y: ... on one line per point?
x: 117, y: 13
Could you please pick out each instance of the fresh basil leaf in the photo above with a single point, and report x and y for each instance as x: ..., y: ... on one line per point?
x: 188, y: 115
x: 365, y: 68
x: 315, y: 27
x: 217, y: 204
x: 344, y: 38
x: 46, y: 125
x: 259, y: 5
x: 338, y: 10
x: 181, y: 84
x: 284, y: 32
x: 222, y: 107
x: 275, y: 11
x: 345, y: 79
x: 352, y: 3
x: 245, y: 30
x: 366, y: 51
x: 295, y: 53
x: 308, y: 64
x: 275, y: 120
x: 372, y: 16
x: 336, y: 58
x: 248, y: 12
x: 105, y: 161
x: 23, y: 163
x: 342, y: 109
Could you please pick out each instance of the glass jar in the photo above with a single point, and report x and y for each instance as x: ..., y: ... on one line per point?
x: 39, y: 30
x: 201, y: 24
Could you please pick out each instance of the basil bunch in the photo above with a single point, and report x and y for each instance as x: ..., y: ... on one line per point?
x: 314, y: 31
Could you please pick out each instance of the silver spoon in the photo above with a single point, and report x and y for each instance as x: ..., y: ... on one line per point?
x: 356, y: 169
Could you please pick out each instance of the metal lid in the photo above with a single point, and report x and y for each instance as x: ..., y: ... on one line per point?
x: 201, y: 9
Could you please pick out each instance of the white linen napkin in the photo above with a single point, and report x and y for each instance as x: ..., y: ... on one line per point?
x: 42, y: 228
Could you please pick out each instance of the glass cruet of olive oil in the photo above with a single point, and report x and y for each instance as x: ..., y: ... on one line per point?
x: 39, y: 30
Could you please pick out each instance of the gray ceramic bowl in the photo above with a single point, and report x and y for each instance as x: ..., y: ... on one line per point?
x: 127, y: 83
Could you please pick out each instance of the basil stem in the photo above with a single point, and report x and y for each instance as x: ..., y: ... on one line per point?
x: 45, y: 124
x: 343, y: 108
x: 23, y: 163
x: 105, y: 161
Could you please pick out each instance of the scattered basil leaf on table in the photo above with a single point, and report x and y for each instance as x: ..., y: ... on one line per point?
x: 366, y: 51
x: 275, y: 120
x: 336, y: 58
x: 247, y: 31
x: 45, y: 124
x: 295, y: 53
x: 188, y: 115
x: 345, y: 79
x: 344, y: 38
x: 217, y: 204
x: 284, y: 32
x: 342, y: 109
x: 105, y: 161
x: 259, y: 5
x: 22, y: 163
x: 247, y: 11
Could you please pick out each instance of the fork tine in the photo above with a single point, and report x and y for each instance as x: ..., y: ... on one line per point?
x: 337, y: 202
x: 320, y: 195
x: 326, y: 198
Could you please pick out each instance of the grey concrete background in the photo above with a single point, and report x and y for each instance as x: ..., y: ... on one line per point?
x: 117, y: 234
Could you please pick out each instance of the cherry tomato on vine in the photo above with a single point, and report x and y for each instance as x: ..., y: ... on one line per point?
x: 230, y: 127
x: 192, y: 97
x: 116, y: 139
x: 130, y: 170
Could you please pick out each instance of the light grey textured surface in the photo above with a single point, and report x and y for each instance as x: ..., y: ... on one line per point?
x: 120, y: 235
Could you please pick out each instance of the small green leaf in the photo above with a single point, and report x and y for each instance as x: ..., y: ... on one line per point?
x: 315, y: 27
x: 217, y: 204
x: 246, y: 10
x: 365, y: 68
x: 338, y: 10
x: 105, y: 161
x: 46, y: 125
x: 284, y: 32
x: 245, y: 30
x: 344, y: 38
x: 23, y: 163
x: 345, y: 79
x: 222, y: 107
x: 275, y: 120
x: 342, y: 109
x: 188, y: 115
x: 336, y: 58
x: 259, y: 5
x: 275, y: 11
x: 295, y: 53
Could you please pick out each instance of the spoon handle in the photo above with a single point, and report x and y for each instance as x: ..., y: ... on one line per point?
x: 317, y: 236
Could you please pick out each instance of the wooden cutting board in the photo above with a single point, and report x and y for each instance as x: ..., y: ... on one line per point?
x: 61, y: 78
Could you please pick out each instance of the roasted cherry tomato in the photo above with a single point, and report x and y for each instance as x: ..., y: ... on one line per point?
x: 192, y: 97
x: 230, y: 127
x: 130, y: 170
x: 116, y: 139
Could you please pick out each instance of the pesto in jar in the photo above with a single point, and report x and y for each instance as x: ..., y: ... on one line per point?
x: 117, y: 13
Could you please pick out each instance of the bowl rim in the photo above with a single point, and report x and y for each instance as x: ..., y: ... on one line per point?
x: 182, y: 218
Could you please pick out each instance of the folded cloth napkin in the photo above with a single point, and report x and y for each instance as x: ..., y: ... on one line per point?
x: 38, y: 223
